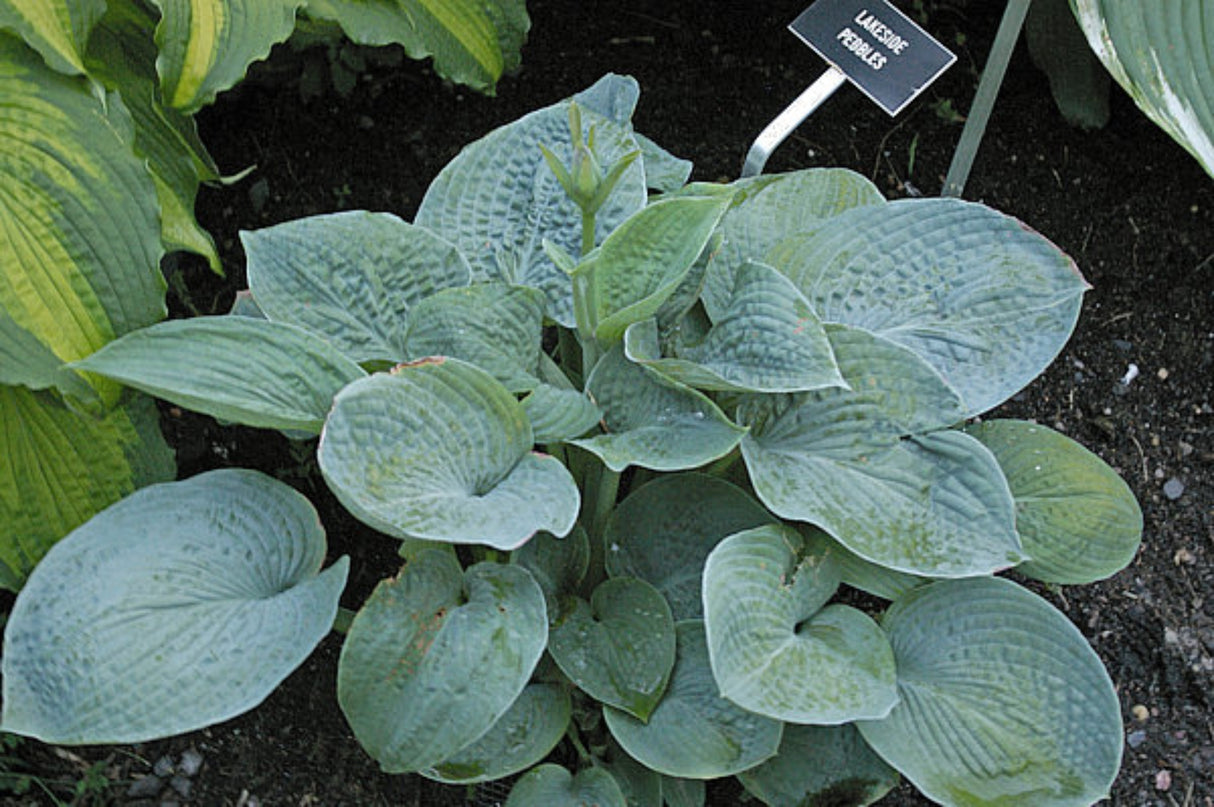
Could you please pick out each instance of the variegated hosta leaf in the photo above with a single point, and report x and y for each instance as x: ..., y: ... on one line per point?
x: 766, y: 340
x: 440, y: 450
x: 663, y: 532
x: 652, y: 422
x: 250, y: 371
x: 494, y: 326
x: 522, y: 737
x: 472, y: 41
x: 180, y: 606
x: 206, y: 46
x: 768, y: 209
x: 550, y: 785
x: 619, y: 647
x: 775, y: 650
x: 436, y: 656
x: 61, y: 467
x: 643, y: 261
x: 1002, y: 701
x: 986, y: 301
x: 78, y: 214
x: 558, y: 415
x: 820, y: 765
x: 498, y: 200
x: 57, y: 29
x: 1162, y: 54
x: 1077, y: 518
x: 695, y: 733
x: 352, y: 277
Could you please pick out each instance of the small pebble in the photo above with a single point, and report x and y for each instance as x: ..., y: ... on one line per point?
x: 1140, y: 712
x: 1136, y: 738
x: 145, y: 788
x: 163, y: 767
x: 191, y: 762
x: 1162, y: 374
x: 1163, y: 780
x: 1173, y: 488
x: 181, y: 785
x: 1184, y: 557
x: 1123, y: 345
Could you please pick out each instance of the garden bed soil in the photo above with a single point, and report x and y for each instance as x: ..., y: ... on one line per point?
x: 1134, y: 210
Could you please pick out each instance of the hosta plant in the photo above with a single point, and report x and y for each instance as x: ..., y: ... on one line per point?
x: 689, y: 485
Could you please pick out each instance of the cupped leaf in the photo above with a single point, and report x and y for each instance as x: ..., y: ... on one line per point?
x: 352, y: 277
x: 663, y: 532
x: 766, y: 340
x: 520, y: 738
x: 440, y: 450
x: 775, y: 650
x: 619, y: 647
x: 818, y: 766
x: 492, y: 325
x: 768, y: 209
x: 558, y: 415
x: 1077, y: 518
x: 497, y: 201
x: 180, y: 606
x: 206, y: 46
x: 472, y: 41
x: 986, y: 301
x: 61, y: 467
x: 551, y: 785
x: 644, y: 260
x: 251, y: 371
x: 58, y: 30
x: 695, y: 733
x: 1002, y: 700
x: 436, y: 656
x: 653, y: 422
x: 557, y: 564
x: 1161, y: 54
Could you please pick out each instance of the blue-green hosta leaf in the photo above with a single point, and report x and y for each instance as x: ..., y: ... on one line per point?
x: 207, y: 45
x: 27, y: 362
x: 619, y: 647
x: 436, y: 656
x: 352, y: 277
x: 251, y: 371
x: 180, y: 606
x: 522, y: 737
x: 472, y: 41
x: 677, y: 792
x: 558, y: 415
x: 664, y: 172
x: 872, y: 578
x: 498, y: 200
x: 1078, y: 519
x: 641, y: 786
x: 774, y: 649
x: 820, y: 765
x: 653, y: 422
x: 986, y: 301
x: 768, y: 209
x: 78, y: 213
x: 643, y: 261
x: 1078, y: 81
x: 439, y: 450
x: 550, y: 785
x: 663, y: 532
x: 557, y: 564
x: 492, y: 325
x: 61, y: 467
x: 695, y: 733
x: 1002, y: 701
x: 1161, y: 54
x: 766, y: 340
x: 58, y: 29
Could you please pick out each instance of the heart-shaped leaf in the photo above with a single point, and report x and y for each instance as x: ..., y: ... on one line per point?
x: 774, y: 649
x: 552, y: 786
x: 436, y: 656
x: 440, y: 450
x: 352, y: 277
x: 1078, y: 519
x: 695, y: 733
x: 619, y: 648
x: 653, y: 422
x: 520, y: 738
x: 180, y: 606
x: 557, y: 564
x: 982, y: 298
x: 663, y: 532
x: 250, y: 371
x: 1002, y: 700
x: 820, y: 765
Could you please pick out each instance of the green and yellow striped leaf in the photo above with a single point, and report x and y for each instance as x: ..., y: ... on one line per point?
x: 57, y: 29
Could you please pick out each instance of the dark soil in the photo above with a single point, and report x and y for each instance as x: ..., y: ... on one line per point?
x: 1133, y: 209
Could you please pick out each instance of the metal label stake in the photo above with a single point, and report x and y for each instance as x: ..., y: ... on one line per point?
x: 868, y: 42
